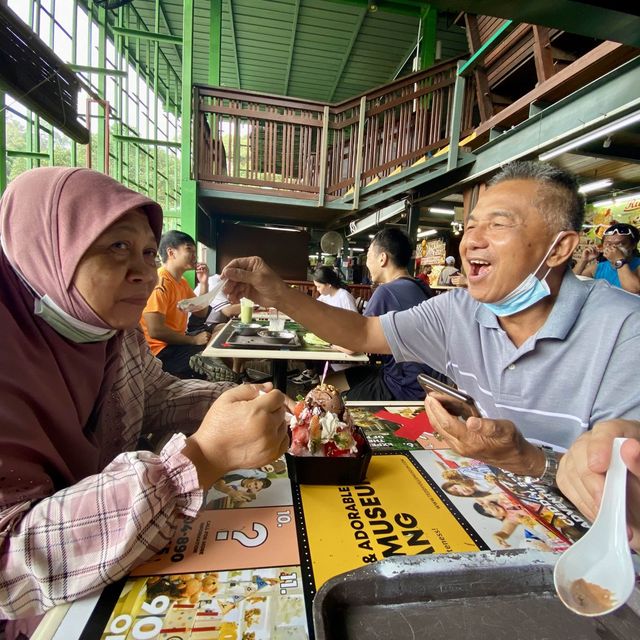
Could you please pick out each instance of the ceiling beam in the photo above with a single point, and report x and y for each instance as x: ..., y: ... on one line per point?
x: 347, y: 54
x: 147, y: 35
x: 616, y: 152
x: 168, y: 28
x: 587, y: 18
x: 132, y: 57
x: 232, y: 28
x: 400, y: 7
x: 292, y: 44
x: 612, y: 96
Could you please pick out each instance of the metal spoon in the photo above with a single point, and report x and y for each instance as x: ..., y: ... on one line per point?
x: 595, y: 575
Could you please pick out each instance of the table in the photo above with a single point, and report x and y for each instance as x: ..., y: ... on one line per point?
x: 278, y: 356
x: 268, y: 557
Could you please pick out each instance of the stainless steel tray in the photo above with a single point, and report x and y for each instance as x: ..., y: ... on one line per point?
x: 497, y: 595
x: 258, y: 342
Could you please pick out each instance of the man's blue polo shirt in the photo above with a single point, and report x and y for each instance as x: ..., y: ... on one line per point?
x: 577, y: 370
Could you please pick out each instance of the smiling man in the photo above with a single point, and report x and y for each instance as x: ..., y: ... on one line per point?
x: 545, y: 355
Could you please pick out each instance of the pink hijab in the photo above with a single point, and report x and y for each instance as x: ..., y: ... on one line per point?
x: 53, y: 389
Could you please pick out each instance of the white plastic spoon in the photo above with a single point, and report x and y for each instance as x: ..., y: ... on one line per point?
x: 595, y: 575
x: 189, y: 305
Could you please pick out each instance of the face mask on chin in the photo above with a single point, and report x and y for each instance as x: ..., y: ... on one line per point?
x: 58, y: 319
x: 530, y: 291
x: 68, y: 326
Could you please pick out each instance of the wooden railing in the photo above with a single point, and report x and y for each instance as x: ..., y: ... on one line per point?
x: 245, y: 140
x: 317, y: 151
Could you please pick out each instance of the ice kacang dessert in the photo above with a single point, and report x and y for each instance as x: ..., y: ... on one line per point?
x: 322, y: 426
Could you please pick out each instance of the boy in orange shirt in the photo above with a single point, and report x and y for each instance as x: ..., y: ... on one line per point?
x: 164, y: 325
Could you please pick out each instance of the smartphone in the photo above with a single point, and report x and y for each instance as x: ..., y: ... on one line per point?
x: 431, y: 384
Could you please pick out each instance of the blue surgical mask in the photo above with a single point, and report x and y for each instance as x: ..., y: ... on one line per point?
x: 527, y: 293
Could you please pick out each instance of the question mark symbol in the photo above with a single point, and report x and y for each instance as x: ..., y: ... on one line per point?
x: 246, y: 541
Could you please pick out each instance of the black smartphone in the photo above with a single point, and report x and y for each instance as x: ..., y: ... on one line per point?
x: 431, y: 384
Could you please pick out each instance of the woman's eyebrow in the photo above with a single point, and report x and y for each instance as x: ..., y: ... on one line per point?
x: 119, y: 227
x: 123, y: 226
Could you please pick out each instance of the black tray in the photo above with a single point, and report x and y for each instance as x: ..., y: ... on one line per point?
x: 258, y: 342
x: 321, y: 470
x: 497, y: 595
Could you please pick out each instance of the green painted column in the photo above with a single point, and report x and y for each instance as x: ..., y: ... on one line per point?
x: 189, y: 192
x: 74, y: 59
x: 428, y: 24
x: 413, y: 220
x: 215, y: 48
x: 102, y: 163
x: 3, y: 145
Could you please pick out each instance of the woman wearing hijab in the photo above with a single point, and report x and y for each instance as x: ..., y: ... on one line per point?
x: 79, y: 386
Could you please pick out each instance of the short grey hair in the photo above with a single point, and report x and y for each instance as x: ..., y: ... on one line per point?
x: 559, y: 201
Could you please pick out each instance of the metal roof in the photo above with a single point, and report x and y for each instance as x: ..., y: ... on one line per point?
x: 324, y: 50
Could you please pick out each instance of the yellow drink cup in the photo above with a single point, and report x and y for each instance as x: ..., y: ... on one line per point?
x: 246, y: 310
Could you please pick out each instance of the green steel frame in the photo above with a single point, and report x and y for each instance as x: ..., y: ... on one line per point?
x: 135, y: 110
x: 133, y: 115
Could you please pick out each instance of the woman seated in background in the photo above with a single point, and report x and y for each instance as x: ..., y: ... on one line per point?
x: 332, y: 292
x: 79, y: 386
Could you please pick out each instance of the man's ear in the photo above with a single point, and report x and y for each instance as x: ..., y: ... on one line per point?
x: 384, y: 258
x: 564, y: 249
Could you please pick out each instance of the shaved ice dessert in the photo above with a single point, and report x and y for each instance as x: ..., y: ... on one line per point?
x: 321, y: 426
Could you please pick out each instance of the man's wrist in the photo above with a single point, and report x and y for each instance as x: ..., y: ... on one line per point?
x: 548, y: 474
x: 531, y: 461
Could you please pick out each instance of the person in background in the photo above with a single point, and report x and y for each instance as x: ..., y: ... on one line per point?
x: 221, y: 309
x: 444, y: 279
x: 621, y: 266
x: 334, y: 293
x: 165, y: 325
x: 332, y: 290
x: 582, y: 471
x: 79, y: 386
x: 513, y: 339
x: 388, y: 259
x: 424, y: 274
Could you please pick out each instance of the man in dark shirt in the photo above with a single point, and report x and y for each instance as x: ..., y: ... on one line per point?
x: 387, y: 260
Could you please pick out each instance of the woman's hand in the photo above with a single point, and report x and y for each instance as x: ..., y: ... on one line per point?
x: 242, y: 430
x: 590, y: 253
